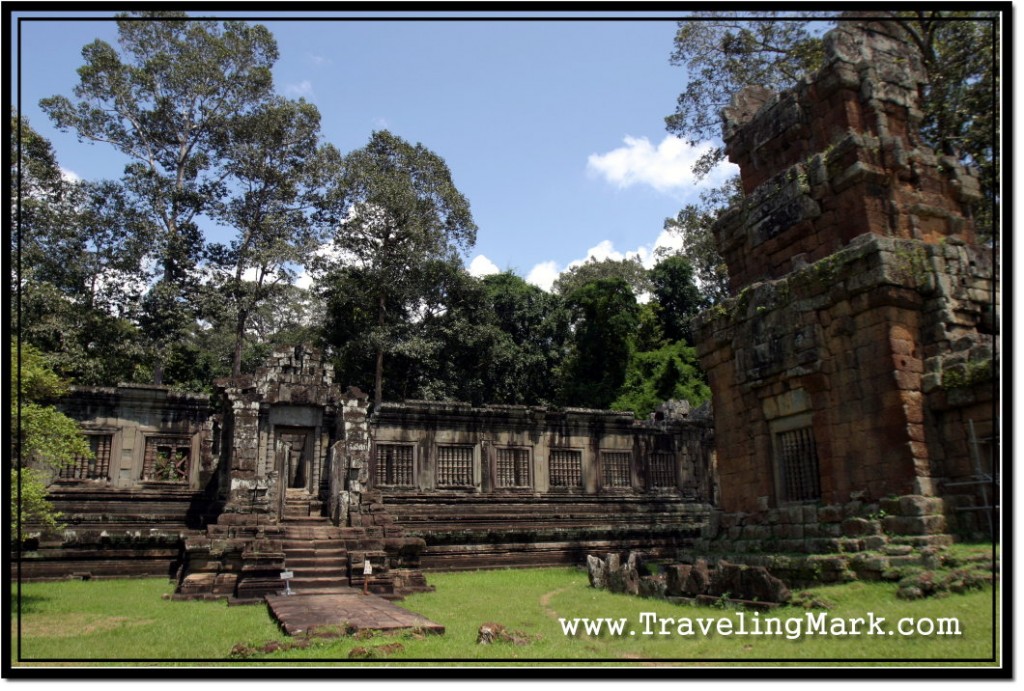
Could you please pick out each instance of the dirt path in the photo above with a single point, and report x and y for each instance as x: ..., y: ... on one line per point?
x: 545, y: 601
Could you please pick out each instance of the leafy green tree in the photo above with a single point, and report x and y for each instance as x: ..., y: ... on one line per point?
x: 653, y: 377
x: 278, y: 168
x: 535, y: 327
x: 678, y: 296
x: 78, y: 272
x: 604, y: 317
x: 960, y: 53
x: 726, y: 50
x: 694, y: 225
x: 349, y: 320
x: 44, y: 440
x: 491, y: 340
x: 400, y: 213
x: 166, y: 100
x: 451, y: 343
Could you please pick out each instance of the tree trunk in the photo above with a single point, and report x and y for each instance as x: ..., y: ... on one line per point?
x: 378, y: 380
x: 378, y: 375
x: 236, y: 362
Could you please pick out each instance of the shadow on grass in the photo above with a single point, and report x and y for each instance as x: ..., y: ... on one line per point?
x: 29, y: 604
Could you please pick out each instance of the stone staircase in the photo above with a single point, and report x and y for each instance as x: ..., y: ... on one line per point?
x: 299, y: 504
x: 326, y: 558
x: 316, y: 554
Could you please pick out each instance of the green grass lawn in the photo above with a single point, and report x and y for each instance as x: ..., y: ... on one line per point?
x: 129, y: 620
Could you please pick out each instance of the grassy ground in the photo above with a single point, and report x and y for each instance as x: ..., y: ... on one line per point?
x: 128, y: 620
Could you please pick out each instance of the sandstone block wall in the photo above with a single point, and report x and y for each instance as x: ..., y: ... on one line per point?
x: 584, y: 481
x: 861, y: 343
x: 836, y: 156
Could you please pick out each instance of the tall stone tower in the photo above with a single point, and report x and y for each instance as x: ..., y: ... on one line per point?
x: 856, y: 358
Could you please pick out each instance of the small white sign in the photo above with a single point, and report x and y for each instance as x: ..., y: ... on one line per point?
x: 287, y: 574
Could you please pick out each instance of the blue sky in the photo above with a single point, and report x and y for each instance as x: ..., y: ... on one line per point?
x: 554, y: 130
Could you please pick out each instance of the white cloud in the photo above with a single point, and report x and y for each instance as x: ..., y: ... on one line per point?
x: 482, y: 266
x: 668, y: 168
x: 302, y: 89
x: 318, y: 59
x: 70, y: 175
x: 543, y: 275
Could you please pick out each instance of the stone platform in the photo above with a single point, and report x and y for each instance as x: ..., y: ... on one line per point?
x: 347, y: 607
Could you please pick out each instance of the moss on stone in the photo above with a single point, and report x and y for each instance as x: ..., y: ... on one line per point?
x: 967, y: 375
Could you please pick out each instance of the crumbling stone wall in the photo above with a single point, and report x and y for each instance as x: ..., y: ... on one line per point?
x: 126, y: 510
x: 837, y: 156
x: 860, y: 340
x: 124, y: 423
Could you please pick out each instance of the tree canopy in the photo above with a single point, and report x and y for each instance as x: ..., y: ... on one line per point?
x: 166, y: 99
x: 400, y: 213
x: 278, y: 167
x: 78, y: 275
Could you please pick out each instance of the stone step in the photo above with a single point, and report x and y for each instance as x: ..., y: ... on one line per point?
x: 293, y: 554
x: 305, y: 520
x: 293, y: 563
x: 311, y: 583
x: 303, y: 509
x: 335, y: 575
x: 307, y: 535
x: 312, y: 543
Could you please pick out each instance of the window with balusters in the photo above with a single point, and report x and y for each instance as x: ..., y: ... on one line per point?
x: 565, y: 468
x: 454, y: 466
x: 615, y: 469
x: 394, y: 465
x: 513, y: 468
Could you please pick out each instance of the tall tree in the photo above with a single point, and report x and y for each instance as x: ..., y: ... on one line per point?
x: 678, y: 297
x: 604, y: 319
x: 535, y: 328
x: 655, y: 376
x: 631, y: 270
x: 726, y: 50
x: 401, y: 212
x: 165, y: 100
x: 278, y: 167
x: 694, y: 225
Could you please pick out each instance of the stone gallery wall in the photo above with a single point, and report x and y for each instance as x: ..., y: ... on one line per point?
x: 517, y: 485
x: 859, y: 349
x: 125, y: 509
x: 481, y: 487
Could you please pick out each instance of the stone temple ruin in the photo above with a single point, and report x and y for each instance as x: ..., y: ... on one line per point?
x: 285, y: 470
x: 859, y: 349
x: 853, y: 389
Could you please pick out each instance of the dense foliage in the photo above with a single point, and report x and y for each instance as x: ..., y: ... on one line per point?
x: 43, y: 439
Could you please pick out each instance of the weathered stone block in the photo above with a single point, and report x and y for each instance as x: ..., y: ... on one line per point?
x: 859, y: 527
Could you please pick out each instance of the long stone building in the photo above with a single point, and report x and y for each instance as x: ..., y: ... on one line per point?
x: 284, y: 469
